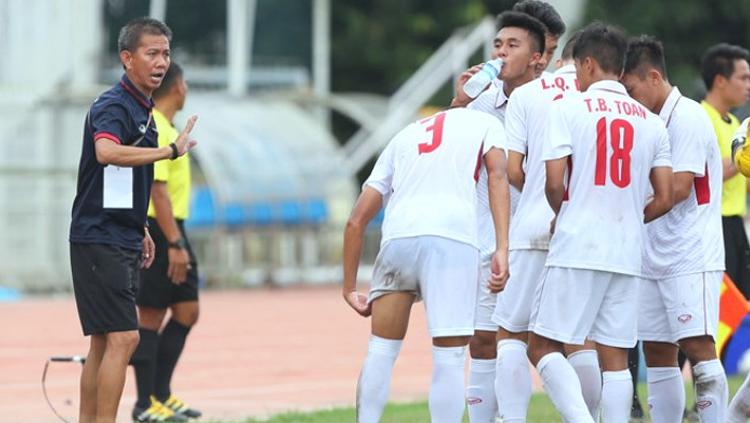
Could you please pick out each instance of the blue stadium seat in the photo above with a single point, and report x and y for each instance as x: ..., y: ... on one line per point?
x: 739, y: 343
x: 260, y: 214
x: 201, y: 208
x: 315, y: 211
x: 290, y: 213
x: 235, y: 215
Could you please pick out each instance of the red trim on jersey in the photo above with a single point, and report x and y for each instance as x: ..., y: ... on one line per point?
x: 570, y: 174
x: 702, y: 188
x: 107, y: 135
x: 479, y: 163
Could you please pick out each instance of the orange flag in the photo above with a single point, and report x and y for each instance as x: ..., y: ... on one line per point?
x: 733, y: 307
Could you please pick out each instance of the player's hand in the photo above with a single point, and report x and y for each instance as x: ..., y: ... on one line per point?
x: 499, y: 272
x: 462, y: 99
x: 148, y: 251
x: 183, y: 142
x: 179, y: 265
x: 358, y: 302
x: 552, y: 225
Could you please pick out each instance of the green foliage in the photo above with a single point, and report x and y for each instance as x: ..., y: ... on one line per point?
x: 378, y: 44
x: 685, y: 27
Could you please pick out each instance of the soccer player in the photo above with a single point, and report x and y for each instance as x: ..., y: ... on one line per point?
x: 525, y: 124
x: 172, y: 281
x: 683, y: 258
x: 553, y: 23
x: 109, y: 240
x: 601, y: 150
x: 520, y: 43
x: 726, y: 73
x: 426, y: 176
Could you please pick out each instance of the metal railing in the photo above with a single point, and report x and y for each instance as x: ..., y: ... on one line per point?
x: 445, y: 64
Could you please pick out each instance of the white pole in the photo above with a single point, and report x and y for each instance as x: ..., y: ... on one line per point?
x: 322, y: 55
x: 238, y: 47
x: 158, y: 9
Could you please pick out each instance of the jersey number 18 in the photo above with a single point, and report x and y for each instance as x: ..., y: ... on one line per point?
x: 621, y: 140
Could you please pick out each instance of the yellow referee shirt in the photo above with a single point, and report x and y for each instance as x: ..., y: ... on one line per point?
x: 733, y: 191
x: 176, y: 173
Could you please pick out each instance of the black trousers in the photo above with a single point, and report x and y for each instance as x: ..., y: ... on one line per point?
x: 737, y: 252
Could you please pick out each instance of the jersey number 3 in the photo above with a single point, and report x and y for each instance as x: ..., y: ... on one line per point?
x: 436, y: 127
x: 621, y: 140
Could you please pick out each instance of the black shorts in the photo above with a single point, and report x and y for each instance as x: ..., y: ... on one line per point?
x: 156, y: 290
x: 737, y: 252
x: 105, y: 282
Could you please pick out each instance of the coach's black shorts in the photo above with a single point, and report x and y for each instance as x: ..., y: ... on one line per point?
x: 105, y: 282
x: 156, y: 290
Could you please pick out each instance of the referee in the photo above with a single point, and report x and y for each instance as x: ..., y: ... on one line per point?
x: 726, y: 73
x: 109, y: 240
x: 172, y: 281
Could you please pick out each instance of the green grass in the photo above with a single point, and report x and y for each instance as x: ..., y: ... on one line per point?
x: 540, y: 410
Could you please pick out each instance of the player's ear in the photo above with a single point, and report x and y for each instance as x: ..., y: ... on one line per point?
x: 654, y: 76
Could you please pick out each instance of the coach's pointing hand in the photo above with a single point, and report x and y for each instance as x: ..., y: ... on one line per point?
x: 500, y: 272
x: 358, y: 302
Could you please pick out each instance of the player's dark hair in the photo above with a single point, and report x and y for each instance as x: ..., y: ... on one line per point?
x: 719, y: 60
x: 644, y: 52
x: 534, y: 27
x: 604, y: 43
x: 567, y: 51
x: 174, y: 73
x: 130, y: 34
x: 544, y: 12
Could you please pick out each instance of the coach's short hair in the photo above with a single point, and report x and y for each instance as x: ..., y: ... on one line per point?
x: 719, y: 60
x: 544, y: 12
x: 645, y: 51
x: 174, y: 73
x: 604, y: 43
x: 130, y: 34
x: 567, y: 51
x: 535, y: 28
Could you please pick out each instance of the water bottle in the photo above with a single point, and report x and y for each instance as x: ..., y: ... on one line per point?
x: 479, y: 81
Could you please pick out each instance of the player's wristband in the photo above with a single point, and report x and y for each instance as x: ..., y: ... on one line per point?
x: 175, y: 152
x: 179, y: 244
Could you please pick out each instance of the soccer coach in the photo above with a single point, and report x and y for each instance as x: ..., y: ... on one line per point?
x: 109, y: 240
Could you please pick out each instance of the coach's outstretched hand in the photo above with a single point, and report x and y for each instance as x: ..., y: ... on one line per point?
x: 500, y: 271
x: 358, y: 302
x: 183, y: 142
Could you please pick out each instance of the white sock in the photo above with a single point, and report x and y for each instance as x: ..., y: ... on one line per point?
x: 513, y: 381
x: 586, y: 365
x: 480, y: 394
x: 563, y: 388
x: 711, y: 391
x: 375, y: 378
x: 446, y: 398
x: 617, y: 396
x: 739, y: 408
x: 666, y: 394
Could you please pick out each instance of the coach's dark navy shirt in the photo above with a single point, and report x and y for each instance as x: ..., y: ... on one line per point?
x: 123, y: 115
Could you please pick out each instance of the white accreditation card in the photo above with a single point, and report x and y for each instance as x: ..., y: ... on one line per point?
x: 118, y: 187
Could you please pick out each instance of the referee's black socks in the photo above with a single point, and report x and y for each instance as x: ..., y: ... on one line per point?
x: 171, y: 343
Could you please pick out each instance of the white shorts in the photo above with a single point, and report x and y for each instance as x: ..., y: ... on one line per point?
x: 679, y: 307
x: 513, y: 309
x: 440, y: 271
x: 485, y: 300
x: 572, y: 305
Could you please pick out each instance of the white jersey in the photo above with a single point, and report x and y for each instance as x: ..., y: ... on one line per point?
x: 428, y: 174
x: 612, y: 142
x: 688, y: 239
x: 525, y: 128
x: 494, y: 102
